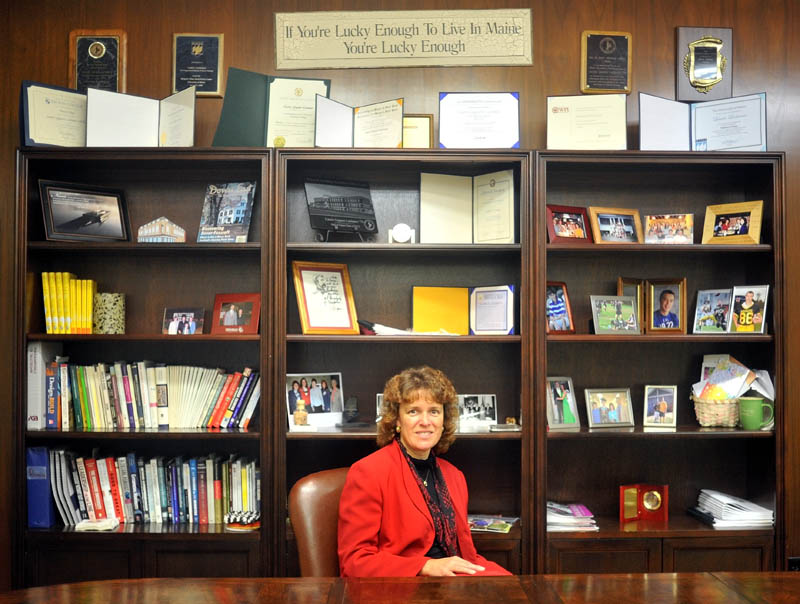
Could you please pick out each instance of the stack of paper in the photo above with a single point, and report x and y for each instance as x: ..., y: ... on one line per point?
x: 569, y: 517
x: 729, y: 512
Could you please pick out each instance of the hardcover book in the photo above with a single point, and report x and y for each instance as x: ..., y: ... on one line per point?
x: 227, y: 210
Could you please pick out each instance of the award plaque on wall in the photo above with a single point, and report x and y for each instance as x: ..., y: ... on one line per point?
x: 704, y: 64
x: 97, y: 59
x: 197, y: 61
x: 606, y: 61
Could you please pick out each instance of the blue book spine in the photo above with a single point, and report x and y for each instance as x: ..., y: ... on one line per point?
x: 245, y: 396
x: 195, y: 498
x: 41, y: 511
x: 136, y: 490
x: 173, y: 491
x: 162, y: 488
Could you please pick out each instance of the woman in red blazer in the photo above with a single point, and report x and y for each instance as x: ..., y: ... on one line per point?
x: 403, y: 510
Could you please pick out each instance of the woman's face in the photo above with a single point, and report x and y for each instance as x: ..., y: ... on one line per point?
x: 303, y: 383
x: 421, y: 423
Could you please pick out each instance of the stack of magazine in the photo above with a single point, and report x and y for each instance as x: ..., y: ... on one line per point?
x: 569, y: 517
x: 724, y: 511
x: 479, y: 523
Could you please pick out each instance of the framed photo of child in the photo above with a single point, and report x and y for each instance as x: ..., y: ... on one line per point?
x: 659, y: 406
x: 558, y: 309
x: 666, y: 306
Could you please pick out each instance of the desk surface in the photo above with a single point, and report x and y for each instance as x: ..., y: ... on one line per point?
x: 702, y: 588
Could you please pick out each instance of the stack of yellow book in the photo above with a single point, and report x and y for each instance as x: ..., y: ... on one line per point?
x: 68, y: 303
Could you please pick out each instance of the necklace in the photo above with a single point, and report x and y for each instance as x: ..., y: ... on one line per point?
x: 427, y: 476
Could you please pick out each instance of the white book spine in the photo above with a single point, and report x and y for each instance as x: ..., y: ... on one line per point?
x: 187, y: 487
x: 145, y: 392
x: 87, y: 493
x: 153, y: 397
x: 121, y: 395
x: 156, y: 513
x: 105, y: 487
x: 210, y: 488
x: 105, y: 402
x: 66, y: 396
x: 68, y: 489
x: 55, y: 479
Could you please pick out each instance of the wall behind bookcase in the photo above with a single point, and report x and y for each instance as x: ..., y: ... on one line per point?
x: 34, y: 36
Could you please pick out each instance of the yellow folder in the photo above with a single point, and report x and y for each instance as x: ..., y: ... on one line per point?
x: 441, y: 308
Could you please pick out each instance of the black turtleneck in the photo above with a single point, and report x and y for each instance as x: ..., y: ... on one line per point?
x: 426, y: 469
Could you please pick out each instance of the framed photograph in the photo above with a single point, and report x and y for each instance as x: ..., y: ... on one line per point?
x: 75, y: 212
x: 659, y: 406
x: 666, y: 306
x: 557, y: 309
x: 476, y: 412
x: 568, y: 224
x: 628, y: 286
x: 562, y: 408
x: 183, y: 321
x: 491, y: 310
x: 324, y: 298
x: 615, y: 225
x: 197, y: 61
x: 669, y: 228
x: 733, y: 223
x: 609, y: 407
x: 418, y: 131
x: 321, y: 393
x: 749, y: 313
x: 236, y: 314
x: 378, y: 407
x: 615, y: 315
x: 713, y: 312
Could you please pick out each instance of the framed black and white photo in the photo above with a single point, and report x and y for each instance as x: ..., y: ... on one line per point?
x: 476, y: 412
x: 75, y: 212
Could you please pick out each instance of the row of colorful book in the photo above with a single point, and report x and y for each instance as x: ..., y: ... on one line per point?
x: 135, y: 395
x: 135, y: 490
x: 68, y: 303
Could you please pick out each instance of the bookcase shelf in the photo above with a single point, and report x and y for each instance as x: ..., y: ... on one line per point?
x: 137, y: 532
x: 586, y: 338
x: 144, y: 249
x: 194, y: 339
x: 678, y: 249
x: 143, y: 435
x: 638, y: 432
x: 369, y: 340
x: 679, y: 525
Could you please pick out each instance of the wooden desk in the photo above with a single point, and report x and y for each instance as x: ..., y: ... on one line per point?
x: 688, y: 588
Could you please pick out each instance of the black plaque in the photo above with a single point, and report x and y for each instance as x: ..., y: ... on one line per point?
x: 197, y: 62
x: 97, y: 63
x: 605, y: 62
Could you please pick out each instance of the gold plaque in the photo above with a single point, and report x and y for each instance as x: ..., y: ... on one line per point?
x: 705, y: 64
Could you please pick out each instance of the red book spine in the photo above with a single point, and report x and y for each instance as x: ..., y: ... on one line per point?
x: 94, y: 487
x: 113, y: 482
x: 219, y: 412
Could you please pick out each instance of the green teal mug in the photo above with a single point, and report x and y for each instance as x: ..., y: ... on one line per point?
x: 751, y: 412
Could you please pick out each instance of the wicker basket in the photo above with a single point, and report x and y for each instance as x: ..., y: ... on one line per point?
x: 717, y: 412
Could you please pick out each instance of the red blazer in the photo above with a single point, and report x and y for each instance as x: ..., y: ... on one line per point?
x: 385, y: 527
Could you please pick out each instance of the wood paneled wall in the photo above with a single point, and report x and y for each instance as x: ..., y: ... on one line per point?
x: 766, y: 35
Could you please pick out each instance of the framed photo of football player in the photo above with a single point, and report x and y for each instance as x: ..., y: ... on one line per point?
x: 749, y: 309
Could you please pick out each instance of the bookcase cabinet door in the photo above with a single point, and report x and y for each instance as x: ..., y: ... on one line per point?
x: 604, y: 556
x: 207, y: 559
x: 718, y: 554
x: 53, y: 561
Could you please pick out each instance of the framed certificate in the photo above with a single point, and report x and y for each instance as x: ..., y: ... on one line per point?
x: 324, y: 298
x: 491, y: 310
x: 418, y: 131
x: 97, y: 59
x: 479, y: 120
x: 197, y: 61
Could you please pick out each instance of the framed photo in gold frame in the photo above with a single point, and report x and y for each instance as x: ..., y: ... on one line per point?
x: 666, y: 306
x: 628, y: 286
x: 418, y: 131
x: 615, y: 225
x: 324, y: 298
x: 733, y: 223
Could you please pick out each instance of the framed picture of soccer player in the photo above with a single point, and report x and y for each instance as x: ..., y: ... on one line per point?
x: 659, y: 406
x: 749, y: 313
x: 557, y: 309
x: 713, y: 312
x: 609, y: 407
x: 628, y: 286
x: 614, y: 315
x: 615, y: 225
x: 733, y: 223
x: 666, y: 306
x: 567, y: 225
x: 562, y: 408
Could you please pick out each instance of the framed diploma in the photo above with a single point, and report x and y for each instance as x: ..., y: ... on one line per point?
x: 479, y: 120
x: 418, y: 131
x: 97, y: 59
x: 606, y: 61
x: 324, y: 298
x: 197, y: 61
x: 491, y: 310
x: 704, y: 63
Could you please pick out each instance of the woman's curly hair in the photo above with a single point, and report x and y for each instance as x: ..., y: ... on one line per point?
x: 404, y: 388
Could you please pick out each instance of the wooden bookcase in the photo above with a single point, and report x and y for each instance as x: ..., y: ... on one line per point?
x: 496, y: 465
x: 588, y: 466
x: 152, y: 276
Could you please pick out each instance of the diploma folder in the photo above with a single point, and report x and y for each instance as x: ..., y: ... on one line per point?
x: 56, y: 128
x: 379, y: 125
x: 245, y: 111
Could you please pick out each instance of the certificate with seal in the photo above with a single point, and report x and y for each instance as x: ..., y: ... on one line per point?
x: 292, y: 104
x: 197, y: 61
x: 379, y: 125
x: 97, y: 59
x: 51, y: 115
x: 479, y: 120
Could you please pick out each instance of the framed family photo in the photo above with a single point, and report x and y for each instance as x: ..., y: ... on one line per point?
x: 659, y: 406
x: 562, y: 408
x: 609, y: 407
x: 666, y: 306
x: 322, y: 397
x: 733, y: 223
x: 558, y: 309
x: 749, y: 309
x: 669, y: 229
x: 628, y: 286
x: 476, y: 412
x: 615, y: 225
x: 183, y: 321
x: 614, y: 315
x: 236, y: 314
x: 568, y: 224
x: 713, y: 312
x: 325, y: 298
x: 83, y: 213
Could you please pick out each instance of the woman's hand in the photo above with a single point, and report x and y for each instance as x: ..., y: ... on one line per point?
x: 448, y: 567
